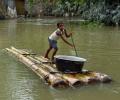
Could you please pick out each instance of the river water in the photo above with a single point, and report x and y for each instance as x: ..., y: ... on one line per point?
x: 99, y: 45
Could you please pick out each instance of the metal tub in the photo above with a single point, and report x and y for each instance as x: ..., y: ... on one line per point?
x: 69, y: 63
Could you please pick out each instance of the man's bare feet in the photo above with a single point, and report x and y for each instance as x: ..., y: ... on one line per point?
x: 47, y: 58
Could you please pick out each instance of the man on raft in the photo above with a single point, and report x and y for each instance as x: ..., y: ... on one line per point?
x: 60, y: 32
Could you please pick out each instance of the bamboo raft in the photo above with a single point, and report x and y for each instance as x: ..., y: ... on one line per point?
x: 49, y: 73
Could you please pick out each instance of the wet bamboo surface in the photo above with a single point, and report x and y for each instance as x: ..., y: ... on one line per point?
x: 49, y: 73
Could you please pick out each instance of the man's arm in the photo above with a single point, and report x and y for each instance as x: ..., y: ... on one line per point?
x: 66, y: 41
x: 66, y: 34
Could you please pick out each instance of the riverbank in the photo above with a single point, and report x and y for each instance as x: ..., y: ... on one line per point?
x: 99, y: 11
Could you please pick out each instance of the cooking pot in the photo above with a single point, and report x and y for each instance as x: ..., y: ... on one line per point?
x: 69, y: 63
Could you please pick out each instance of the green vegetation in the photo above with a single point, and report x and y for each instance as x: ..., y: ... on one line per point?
x: 63, y: 7
x: 100, y: 11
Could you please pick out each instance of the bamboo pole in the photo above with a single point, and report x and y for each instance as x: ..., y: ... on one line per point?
x: 72, y: 81
x: 51, y: 79
x: 40, y: 60
x: 27, y: 54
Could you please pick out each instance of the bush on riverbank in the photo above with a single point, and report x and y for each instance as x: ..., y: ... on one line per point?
x: 102, y: 11
x: 105, y: 11
x: 65, y: 8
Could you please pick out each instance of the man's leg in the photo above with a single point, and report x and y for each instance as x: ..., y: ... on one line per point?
x: 47, y: 52
x: 54, y: 53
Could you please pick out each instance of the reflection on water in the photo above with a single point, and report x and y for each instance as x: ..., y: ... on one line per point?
x: 99, y: 45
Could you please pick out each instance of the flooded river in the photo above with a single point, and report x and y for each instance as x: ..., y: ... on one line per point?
x: 99, y: 45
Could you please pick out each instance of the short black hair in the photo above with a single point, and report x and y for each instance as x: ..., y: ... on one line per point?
x: 59, y: 23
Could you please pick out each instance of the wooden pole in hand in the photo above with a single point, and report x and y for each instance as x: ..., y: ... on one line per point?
x: 74, y: 46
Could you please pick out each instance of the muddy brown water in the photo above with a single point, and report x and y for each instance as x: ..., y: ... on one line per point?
x: 99, y: 45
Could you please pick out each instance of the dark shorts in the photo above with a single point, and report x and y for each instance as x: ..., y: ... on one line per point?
x: 53, y: 43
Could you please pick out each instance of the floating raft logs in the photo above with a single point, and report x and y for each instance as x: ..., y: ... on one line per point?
x: 49, y: 73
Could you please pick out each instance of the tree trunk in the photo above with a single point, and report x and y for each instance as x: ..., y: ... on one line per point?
x: 2, y: 9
